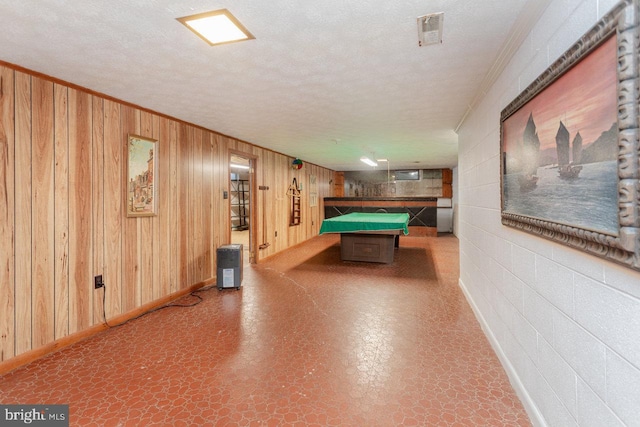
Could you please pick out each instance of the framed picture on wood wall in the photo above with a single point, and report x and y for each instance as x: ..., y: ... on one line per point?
x: 142, y: 173
x: 313, y: 191
x: 569, y: 145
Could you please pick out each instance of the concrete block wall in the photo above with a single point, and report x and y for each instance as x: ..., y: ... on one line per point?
x: 565, y: 324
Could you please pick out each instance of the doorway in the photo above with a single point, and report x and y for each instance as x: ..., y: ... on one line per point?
x: 240, y: 186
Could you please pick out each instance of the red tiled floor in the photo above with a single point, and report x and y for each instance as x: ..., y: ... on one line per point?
x: 308, y: 340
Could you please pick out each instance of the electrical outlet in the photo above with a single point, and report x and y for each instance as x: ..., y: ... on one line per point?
x: 97, y: 282
x: 276, y: 234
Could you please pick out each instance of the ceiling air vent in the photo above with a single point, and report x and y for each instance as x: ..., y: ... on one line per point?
x: 430, y: 29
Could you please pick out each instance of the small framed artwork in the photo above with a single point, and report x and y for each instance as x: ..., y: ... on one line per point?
x: 142, y: 173
x: 313, y: 191
x: 569, y: 145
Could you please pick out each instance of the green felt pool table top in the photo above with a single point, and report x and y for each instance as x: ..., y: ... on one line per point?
x: 363, y: 222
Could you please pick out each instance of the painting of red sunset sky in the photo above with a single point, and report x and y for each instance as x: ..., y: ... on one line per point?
x: 584, y: 99
x: 560, y: 148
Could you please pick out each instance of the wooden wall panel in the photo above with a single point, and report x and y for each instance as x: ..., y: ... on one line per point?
x: 278, y: 216
x: 183, y: 205
x: 150, y: 124
x: 157, y: 260
x: 147, y: 247
x: 129, y: 122
x: 81, y: 202
x: 189, y: 213
x: 197, y: 244
x: 174, y: 208
x: 113, y: 209
x: 63, y: 153
x: 144, y: 289
x: 447, y: 179
x: 207, y: 207
x: 7, y: 206
x: 42, y: 238
x: 163, y: 240
x: 187, y: 208
x: 23, y: 258
x: 278, y: 185
x: 166, y: 179
x: 338, y: 184
x: 97, y: 201
x: 61, y: 209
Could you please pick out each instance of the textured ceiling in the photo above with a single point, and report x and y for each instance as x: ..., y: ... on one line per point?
x: 326, y: 81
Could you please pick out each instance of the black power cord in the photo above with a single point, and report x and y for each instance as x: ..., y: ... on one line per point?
x: 194, y: 294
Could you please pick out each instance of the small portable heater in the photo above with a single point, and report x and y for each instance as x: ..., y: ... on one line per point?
x: 229, y: 266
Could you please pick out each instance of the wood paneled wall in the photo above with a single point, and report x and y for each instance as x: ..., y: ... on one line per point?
x: 62, y: 215
x: 447, y: 181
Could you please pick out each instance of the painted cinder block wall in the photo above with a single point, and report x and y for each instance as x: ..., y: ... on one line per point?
x: 565, y: 324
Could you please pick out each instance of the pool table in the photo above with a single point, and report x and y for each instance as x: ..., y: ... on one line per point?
x: 370, y: 237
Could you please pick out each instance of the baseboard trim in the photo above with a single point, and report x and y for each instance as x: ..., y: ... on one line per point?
x: 530, y: 407
x: 40, y: 352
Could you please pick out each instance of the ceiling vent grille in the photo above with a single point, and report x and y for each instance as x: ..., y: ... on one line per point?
x: 430, y: 29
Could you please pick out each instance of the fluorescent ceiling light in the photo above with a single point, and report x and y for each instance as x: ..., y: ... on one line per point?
x: 368, y: 161
x: 233, y: 165
x: 217, y: 27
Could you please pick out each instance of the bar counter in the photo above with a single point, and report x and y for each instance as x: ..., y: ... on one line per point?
x: 422, y: 210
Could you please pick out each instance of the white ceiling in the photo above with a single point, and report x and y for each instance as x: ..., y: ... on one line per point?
x: 326, y: 81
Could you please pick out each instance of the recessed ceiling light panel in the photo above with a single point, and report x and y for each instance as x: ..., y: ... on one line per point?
x: 217, y: 27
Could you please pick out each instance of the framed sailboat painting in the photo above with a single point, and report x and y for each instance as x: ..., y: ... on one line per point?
x: 570, y: 145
